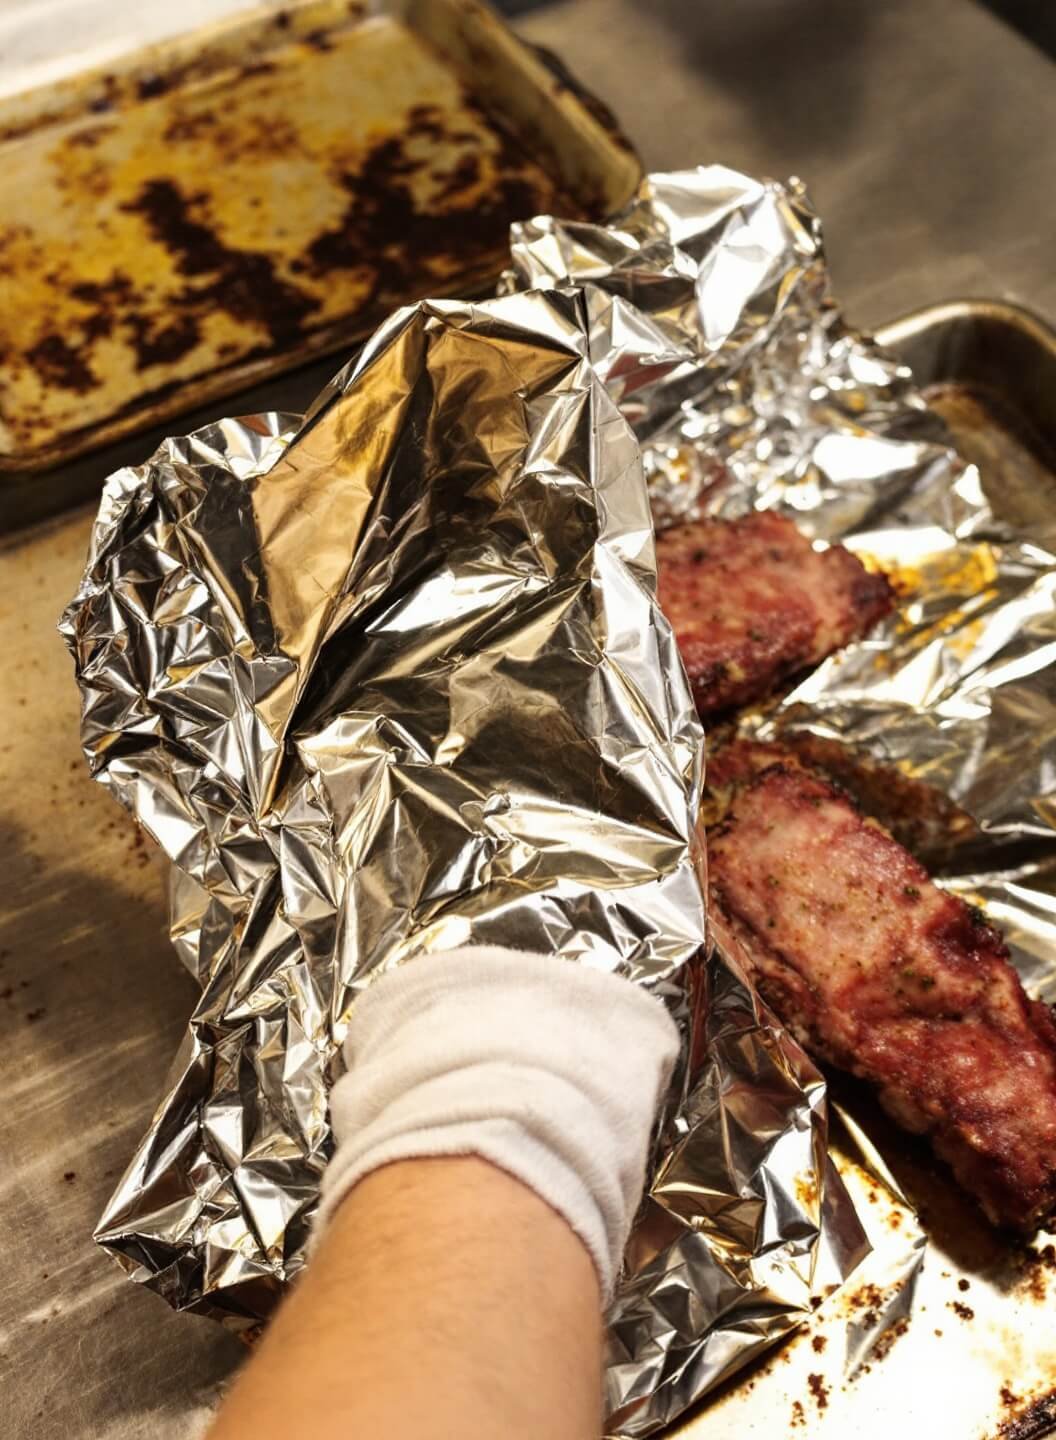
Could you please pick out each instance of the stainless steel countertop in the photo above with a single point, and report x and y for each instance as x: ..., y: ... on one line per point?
x: 923, y: 128
x: 925, y: 131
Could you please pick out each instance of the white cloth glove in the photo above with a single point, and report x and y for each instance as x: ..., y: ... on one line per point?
x: 548, y: 1069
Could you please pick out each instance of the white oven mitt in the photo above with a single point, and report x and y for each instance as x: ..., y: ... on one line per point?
x: 550, y: 1070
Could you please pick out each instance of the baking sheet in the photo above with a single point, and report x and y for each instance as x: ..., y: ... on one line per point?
x: 135, y: 1368
x: 257, y: 194
x: 966, y: 1348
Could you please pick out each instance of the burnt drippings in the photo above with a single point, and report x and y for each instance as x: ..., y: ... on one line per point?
x: 884, y: 1342
x: 248, y: 139
x: 1036, y: 1267
x: 191, y: 126
x: 57, y: 362
x: 148, y: 86
x: 386, y: 227
x: 105, y: 300
x: 244, y: 283
x: 819, y: 1391
x: 462, y: 176
x: 427, y: 121
x: 258, y: 67
x: 1037, y: 1420
x: 157, y: 343
x: 66, y: 360
x: 117, y: 289
x: 88, y: 137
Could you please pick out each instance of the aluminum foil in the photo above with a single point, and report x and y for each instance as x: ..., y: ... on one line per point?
x: 712, y: 322
x: 389, y: 681
x: 775, y: 402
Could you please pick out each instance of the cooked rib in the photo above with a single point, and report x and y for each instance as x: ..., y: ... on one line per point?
x: 751, y: 603
x: 880, y: 973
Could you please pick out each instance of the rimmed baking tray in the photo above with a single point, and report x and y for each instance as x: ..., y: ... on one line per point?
x: 213, y: 212
x: 975, y: 1356
x: 989, y: 369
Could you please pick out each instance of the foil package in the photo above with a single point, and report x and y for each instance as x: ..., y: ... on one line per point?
x: 311, y: 654
x: 709, y: 305
x: 712, y: 321
x: 392, y: 681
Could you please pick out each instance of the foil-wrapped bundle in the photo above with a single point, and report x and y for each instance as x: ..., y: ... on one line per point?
x: 712, y: 321
x: 389, y: 681
x: 773, y: 401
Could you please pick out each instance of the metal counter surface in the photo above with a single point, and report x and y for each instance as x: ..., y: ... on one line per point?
x: 924, y: 130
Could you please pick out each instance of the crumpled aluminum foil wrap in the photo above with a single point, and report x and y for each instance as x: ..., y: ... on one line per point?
x: 389, y: 681
x: 712, y: 322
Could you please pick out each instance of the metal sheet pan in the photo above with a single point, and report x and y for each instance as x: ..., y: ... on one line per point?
x: 976, y: 1359
x: 214, y: 211
x: 989, y: 369
x: 75, y: 923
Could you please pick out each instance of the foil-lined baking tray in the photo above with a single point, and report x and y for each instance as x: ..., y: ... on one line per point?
x: 254, y: 195
x: 719, y: 340
x: 946, y: 1329
x: 773, y: 401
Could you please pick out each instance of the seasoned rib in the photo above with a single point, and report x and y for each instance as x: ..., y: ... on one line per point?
x: 920, y: 816
x: 751, y: 603
x: 880, y: 973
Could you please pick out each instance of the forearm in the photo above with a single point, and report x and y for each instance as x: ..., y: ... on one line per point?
x: 445, y: 1298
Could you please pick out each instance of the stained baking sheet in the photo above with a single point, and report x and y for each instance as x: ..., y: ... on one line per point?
x: 83, y: 1051
x: 213, y: 211
x: 947, y: 1328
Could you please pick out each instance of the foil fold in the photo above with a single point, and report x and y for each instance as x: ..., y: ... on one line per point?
x: 392, y: 680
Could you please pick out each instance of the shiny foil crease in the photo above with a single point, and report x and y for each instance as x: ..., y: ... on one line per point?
x: 390, y: 681
x: 711, y: 320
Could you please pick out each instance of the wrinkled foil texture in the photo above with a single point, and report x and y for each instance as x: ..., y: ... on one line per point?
x: 712, y: 322
x: 392, y: 680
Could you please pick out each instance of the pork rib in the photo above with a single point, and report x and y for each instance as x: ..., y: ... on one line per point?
x: 920, y: 816
x: 751, y: 603
x: 882, y: 974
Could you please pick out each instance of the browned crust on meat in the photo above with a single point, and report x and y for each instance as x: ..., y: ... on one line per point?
x: 882, y: 974
x: 752, y: 603
x: 920, y: 816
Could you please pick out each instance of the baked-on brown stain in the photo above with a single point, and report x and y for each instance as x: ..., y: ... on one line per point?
x: 57, y: 362
x: 1037, y: 1420
x: 819, y: 1390
x: 244, y: 283
x: 389, y: 232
